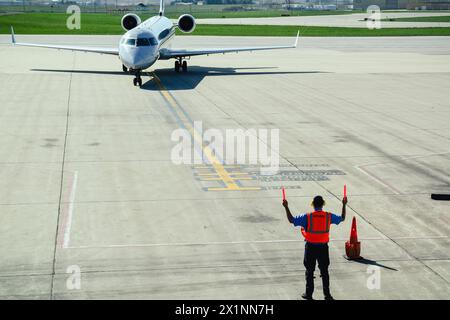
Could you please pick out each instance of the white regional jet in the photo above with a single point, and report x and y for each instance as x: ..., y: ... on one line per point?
x: 146, y: 42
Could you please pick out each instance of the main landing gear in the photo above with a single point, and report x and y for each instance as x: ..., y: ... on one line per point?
x: 180, y: 63
x: 137, y: 80
x: 125, y: 69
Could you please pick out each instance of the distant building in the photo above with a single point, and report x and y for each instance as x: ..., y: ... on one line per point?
x: 383, y: 4
x: 403, y: 4
x: 428, y: 5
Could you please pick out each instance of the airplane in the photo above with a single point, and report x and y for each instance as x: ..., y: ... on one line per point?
x: 146, y: 42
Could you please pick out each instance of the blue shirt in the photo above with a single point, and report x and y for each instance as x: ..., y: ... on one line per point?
x: 302, y: 220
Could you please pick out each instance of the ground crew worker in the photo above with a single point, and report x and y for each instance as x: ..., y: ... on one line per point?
x: 315, y: 229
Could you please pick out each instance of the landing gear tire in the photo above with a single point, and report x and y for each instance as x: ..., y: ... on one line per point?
x: 125, y: 69
x: 137, y: 80
x: 177, y: 66
x: 184, y: 66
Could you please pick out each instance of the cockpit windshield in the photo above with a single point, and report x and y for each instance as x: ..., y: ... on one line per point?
x: 142, y: 42
x: 130, y: 42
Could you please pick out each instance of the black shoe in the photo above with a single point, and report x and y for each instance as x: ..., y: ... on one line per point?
x: 307, y: 297
x: 329, y: 297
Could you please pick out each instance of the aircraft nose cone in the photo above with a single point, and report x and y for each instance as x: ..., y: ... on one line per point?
x: 131, y: 61
x: 139, y: 59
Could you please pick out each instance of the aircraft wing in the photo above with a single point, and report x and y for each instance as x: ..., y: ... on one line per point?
x: 113, y: 51
x: 167, y: 53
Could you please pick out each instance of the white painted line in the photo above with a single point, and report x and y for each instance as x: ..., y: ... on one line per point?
x: 426, y: 156
x: 174, y: 244
x: 283, y: 294
x: 407, y: 158
x: 182, y: 244
x: 203, y: 243
x: 419, y: 238
x: 366, y: 172
x: 68, y: 224
x: 264, y: 270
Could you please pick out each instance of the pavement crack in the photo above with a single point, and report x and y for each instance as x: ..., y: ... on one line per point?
x: 62, y: 181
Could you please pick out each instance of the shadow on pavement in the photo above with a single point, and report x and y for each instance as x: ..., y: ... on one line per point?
x: 373, y: 263
x: 185, y: 81
x: 195, y: 75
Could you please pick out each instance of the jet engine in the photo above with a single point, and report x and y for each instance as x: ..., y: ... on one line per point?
x: 186, y: 23
x: 130, y: 21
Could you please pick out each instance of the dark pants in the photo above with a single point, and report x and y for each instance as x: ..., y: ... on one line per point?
x: 319, y: 253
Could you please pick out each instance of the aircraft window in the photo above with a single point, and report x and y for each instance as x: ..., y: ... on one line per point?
x: 131, y: 42
x: 143, y: 42
x: 163, y: 34
x: 153, y: 41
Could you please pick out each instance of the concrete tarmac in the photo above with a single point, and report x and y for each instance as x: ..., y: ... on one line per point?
x: 87, y: 182
x: 355, y: 20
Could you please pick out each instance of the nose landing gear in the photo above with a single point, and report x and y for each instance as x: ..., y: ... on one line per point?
x: 137, y: 80
x: 180, y: 63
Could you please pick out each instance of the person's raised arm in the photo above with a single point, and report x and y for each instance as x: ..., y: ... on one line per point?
x: 344, y: 205
x: 288, y: 212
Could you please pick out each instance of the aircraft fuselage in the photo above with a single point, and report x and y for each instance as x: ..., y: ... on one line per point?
x: 139, y: 47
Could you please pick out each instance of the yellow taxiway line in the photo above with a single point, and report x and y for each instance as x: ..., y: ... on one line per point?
x: 219, y: 168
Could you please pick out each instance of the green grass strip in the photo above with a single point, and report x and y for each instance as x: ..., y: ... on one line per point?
x: 102, y: 24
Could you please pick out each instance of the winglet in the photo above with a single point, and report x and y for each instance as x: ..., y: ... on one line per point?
x: 13, y: 38
x: 296, y: 39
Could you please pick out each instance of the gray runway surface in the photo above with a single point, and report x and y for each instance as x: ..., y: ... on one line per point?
x: 86, y: 177
x: 347, y: 20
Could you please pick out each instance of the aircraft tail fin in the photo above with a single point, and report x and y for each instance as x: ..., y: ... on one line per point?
x: 161, y: 7
x: 13, y: 38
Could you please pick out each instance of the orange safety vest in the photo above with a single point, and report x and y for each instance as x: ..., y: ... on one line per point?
x: 318, y: 228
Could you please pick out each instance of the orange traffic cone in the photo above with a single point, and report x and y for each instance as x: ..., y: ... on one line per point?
x: 353, y: 247
x: 353, y: 232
